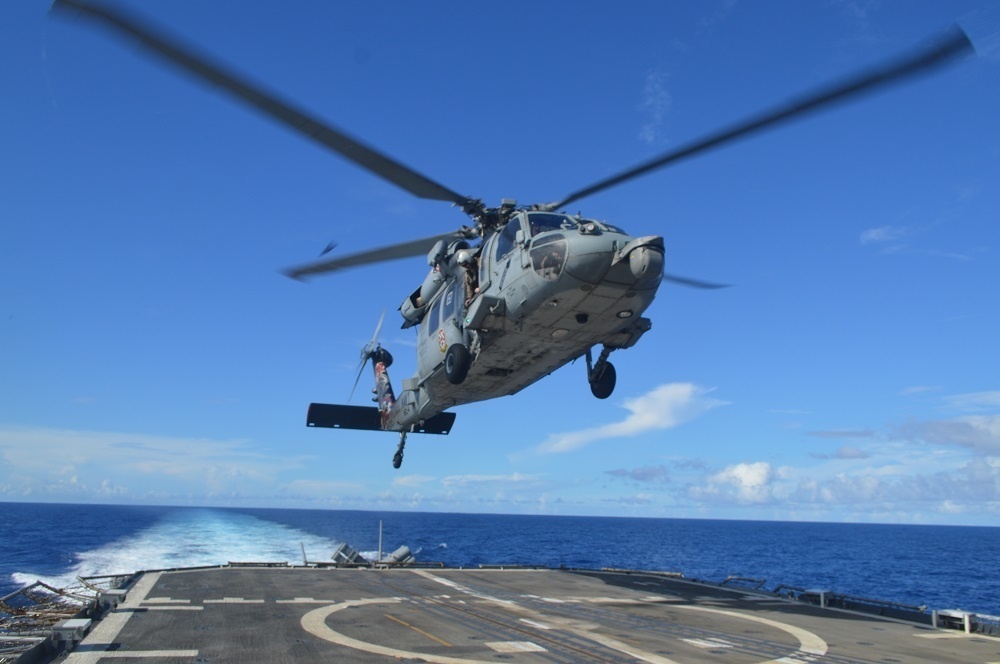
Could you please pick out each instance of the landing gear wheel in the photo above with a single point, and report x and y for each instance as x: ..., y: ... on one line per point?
x: 397, y: 459
x: 602, y: 385
x: 456, y: 363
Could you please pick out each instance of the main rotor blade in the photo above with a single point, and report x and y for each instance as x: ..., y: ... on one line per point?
x: 693, y: 283
x: 392, y: 252
x: 186, y: 58
x: 950, y: 45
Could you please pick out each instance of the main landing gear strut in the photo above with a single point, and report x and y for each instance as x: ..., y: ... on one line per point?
x: 397, y: 459
x: 601, y: 376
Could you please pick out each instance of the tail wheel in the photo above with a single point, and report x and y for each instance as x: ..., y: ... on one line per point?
x: 602, y: 385
x: 456, y: 363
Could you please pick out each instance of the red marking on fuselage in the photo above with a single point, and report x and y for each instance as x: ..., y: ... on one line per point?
x: 384, y: 394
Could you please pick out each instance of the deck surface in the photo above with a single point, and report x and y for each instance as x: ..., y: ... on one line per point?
x: 453, y: 615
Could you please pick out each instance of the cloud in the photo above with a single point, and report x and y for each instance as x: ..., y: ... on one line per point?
x: 412, y: 480
x: 890, y: 239
x: 848, y: 452
x: 663, y: 408
x: 655, y: 105
x: 718, y: 15
x: 919, y: 389
x: 321, y: 488
x: 462, y: 480
x: 976, y: 483
x: 744, y: 483
x: 646, y: 474
x: 883, y: 234
x: 843, y: 433
x: 95, y: 464
x: 844, y: 453
x: 980, y: 433
x: 975, y: 401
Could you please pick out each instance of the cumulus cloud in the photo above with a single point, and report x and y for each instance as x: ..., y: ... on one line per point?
x: 977, y: 482
x: 665, y: 407
x: 744, y: 483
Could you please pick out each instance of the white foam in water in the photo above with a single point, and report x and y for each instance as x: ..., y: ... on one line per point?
x: 191, y: 538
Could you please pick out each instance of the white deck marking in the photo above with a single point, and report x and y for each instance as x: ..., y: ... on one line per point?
x: 709, y: 643
x: 94, y: 657
x: 535, y: 624
x: 314, y: 622
x: 234, y: 600
x: 104, y: 634
x: 515, y: 646
x: 809, y: 643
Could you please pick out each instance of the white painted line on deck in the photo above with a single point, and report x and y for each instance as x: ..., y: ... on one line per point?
x: 96, y: 656
x: 708, y: 643
x: 515, y: 646
x: 105, y: 633
x: 535, y: 624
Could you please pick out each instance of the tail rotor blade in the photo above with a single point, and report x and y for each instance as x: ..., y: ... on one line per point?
x: 361, y: 370
x: 378, y: 328
x: 366, y: 353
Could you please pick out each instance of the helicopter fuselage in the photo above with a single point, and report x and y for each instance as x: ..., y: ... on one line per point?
x: 551, y: 287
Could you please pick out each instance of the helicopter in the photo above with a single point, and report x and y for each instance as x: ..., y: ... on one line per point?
x: 522, y: 290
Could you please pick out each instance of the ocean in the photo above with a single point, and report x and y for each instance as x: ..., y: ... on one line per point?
x: 943, y: 567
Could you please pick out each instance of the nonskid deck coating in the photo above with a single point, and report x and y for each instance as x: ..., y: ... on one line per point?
x: 241, y: 614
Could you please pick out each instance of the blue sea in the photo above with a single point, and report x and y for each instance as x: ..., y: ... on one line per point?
x: 943, y: 567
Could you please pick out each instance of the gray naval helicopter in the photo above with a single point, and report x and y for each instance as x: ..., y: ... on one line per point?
x: 521, y: 291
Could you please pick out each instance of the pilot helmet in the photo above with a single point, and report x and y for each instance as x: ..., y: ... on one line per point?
x: 464, y: 258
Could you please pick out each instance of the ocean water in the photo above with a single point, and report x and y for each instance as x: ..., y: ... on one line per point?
x: 943, y: 567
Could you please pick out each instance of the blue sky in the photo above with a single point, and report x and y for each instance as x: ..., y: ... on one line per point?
x: 151, y: 352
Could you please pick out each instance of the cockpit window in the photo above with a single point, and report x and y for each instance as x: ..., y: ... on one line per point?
x: 505, y: 243
x: 542, y: 222
x: 548, y: 256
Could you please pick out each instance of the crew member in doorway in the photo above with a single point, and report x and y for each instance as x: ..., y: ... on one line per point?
x: 471, y: 265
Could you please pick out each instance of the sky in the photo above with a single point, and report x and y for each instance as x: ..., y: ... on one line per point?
x: 151, y: 351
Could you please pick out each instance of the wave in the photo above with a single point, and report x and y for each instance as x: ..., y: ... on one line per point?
x: 191, y: 538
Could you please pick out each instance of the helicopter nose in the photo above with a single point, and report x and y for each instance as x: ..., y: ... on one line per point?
x: 646, y: 263
x: 589, y: 266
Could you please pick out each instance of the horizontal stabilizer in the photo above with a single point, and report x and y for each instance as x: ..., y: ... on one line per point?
x: 367, y: 418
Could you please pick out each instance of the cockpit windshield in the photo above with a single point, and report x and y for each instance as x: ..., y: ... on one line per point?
x: 542, y: 222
